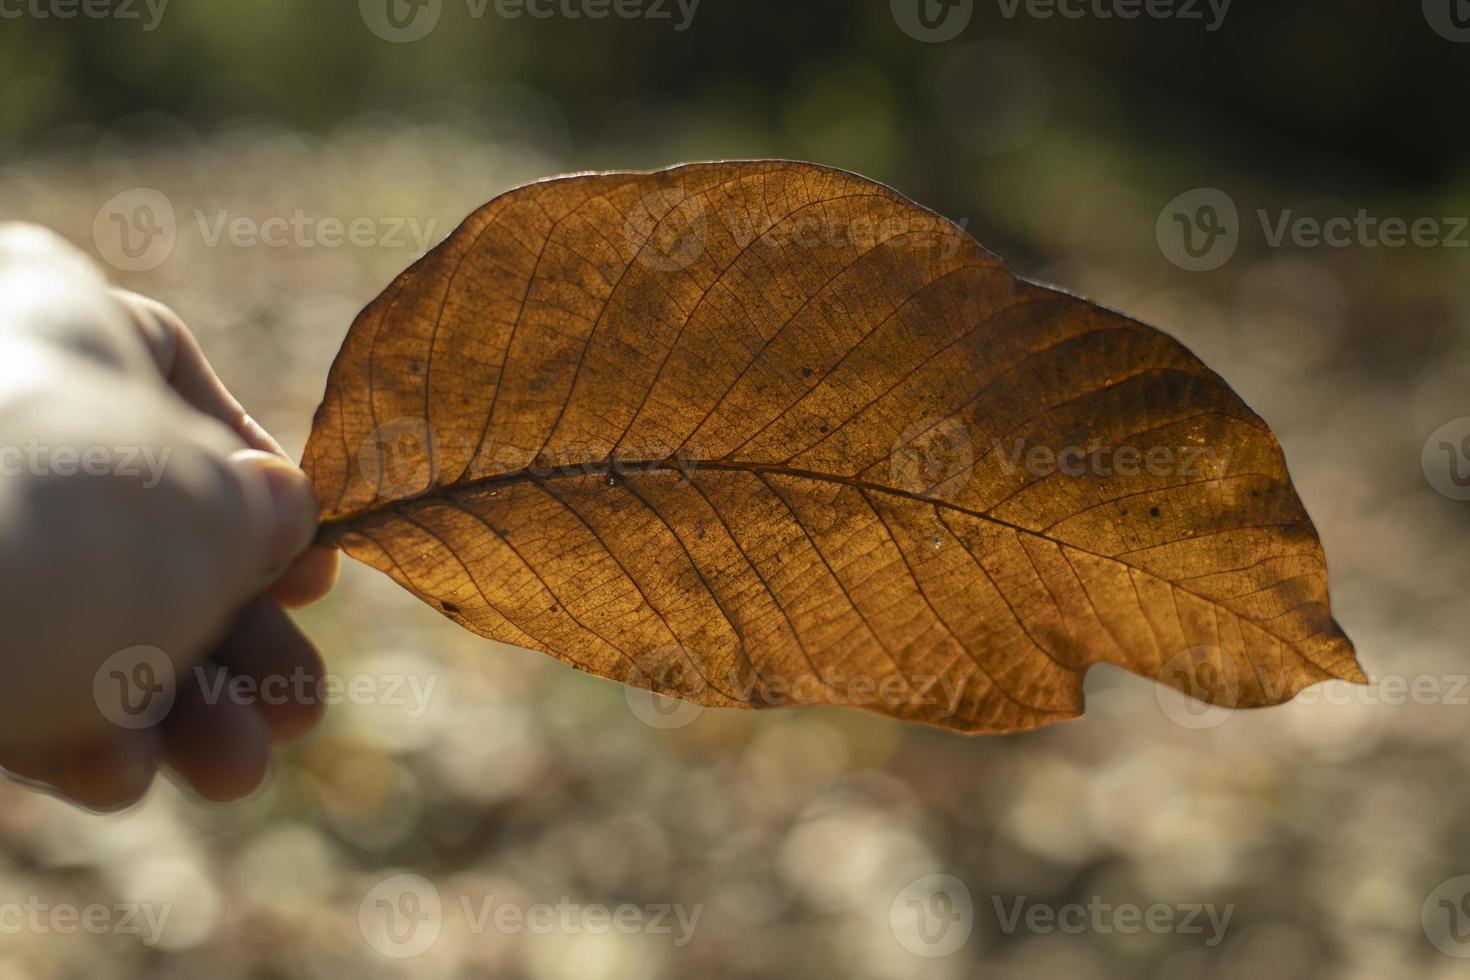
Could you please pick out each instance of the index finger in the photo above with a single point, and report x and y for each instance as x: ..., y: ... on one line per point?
x: 183, y: 365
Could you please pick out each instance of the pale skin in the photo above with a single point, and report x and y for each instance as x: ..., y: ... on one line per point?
x: 100, y: 553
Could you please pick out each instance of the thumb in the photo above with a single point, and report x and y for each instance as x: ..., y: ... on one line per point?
x: 290, y: 507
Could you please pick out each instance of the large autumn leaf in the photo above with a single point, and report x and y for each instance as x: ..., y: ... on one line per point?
x: 766, y: 433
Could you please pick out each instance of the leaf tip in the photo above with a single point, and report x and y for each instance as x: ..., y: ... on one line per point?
x: 1352, y: 672
x: 1343, y: 664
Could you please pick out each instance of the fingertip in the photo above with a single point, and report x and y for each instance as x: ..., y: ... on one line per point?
x: 284, y: 668
x: 112, y: 773
x: 222, y: 750
x: 293, y: 505
x: 309, y: 579
x: 102, y: 774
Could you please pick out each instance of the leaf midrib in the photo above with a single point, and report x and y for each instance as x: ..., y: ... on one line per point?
x: 334, y: 529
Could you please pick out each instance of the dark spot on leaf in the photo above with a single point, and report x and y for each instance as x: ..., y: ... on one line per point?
x: 806, y: 372
x: 450, y: 608
x: 1153, y: 512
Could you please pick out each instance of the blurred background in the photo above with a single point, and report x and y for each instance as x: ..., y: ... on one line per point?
x: 212, y: 154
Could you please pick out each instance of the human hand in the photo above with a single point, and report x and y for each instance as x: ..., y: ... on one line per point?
x: 151, y: 531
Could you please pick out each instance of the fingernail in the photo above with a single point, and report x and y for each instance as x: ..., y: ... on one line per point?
x: 293, y: 505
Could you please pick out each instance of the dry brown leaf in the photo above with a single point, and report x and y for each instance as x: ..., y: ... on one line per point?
x: 764, y: 433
